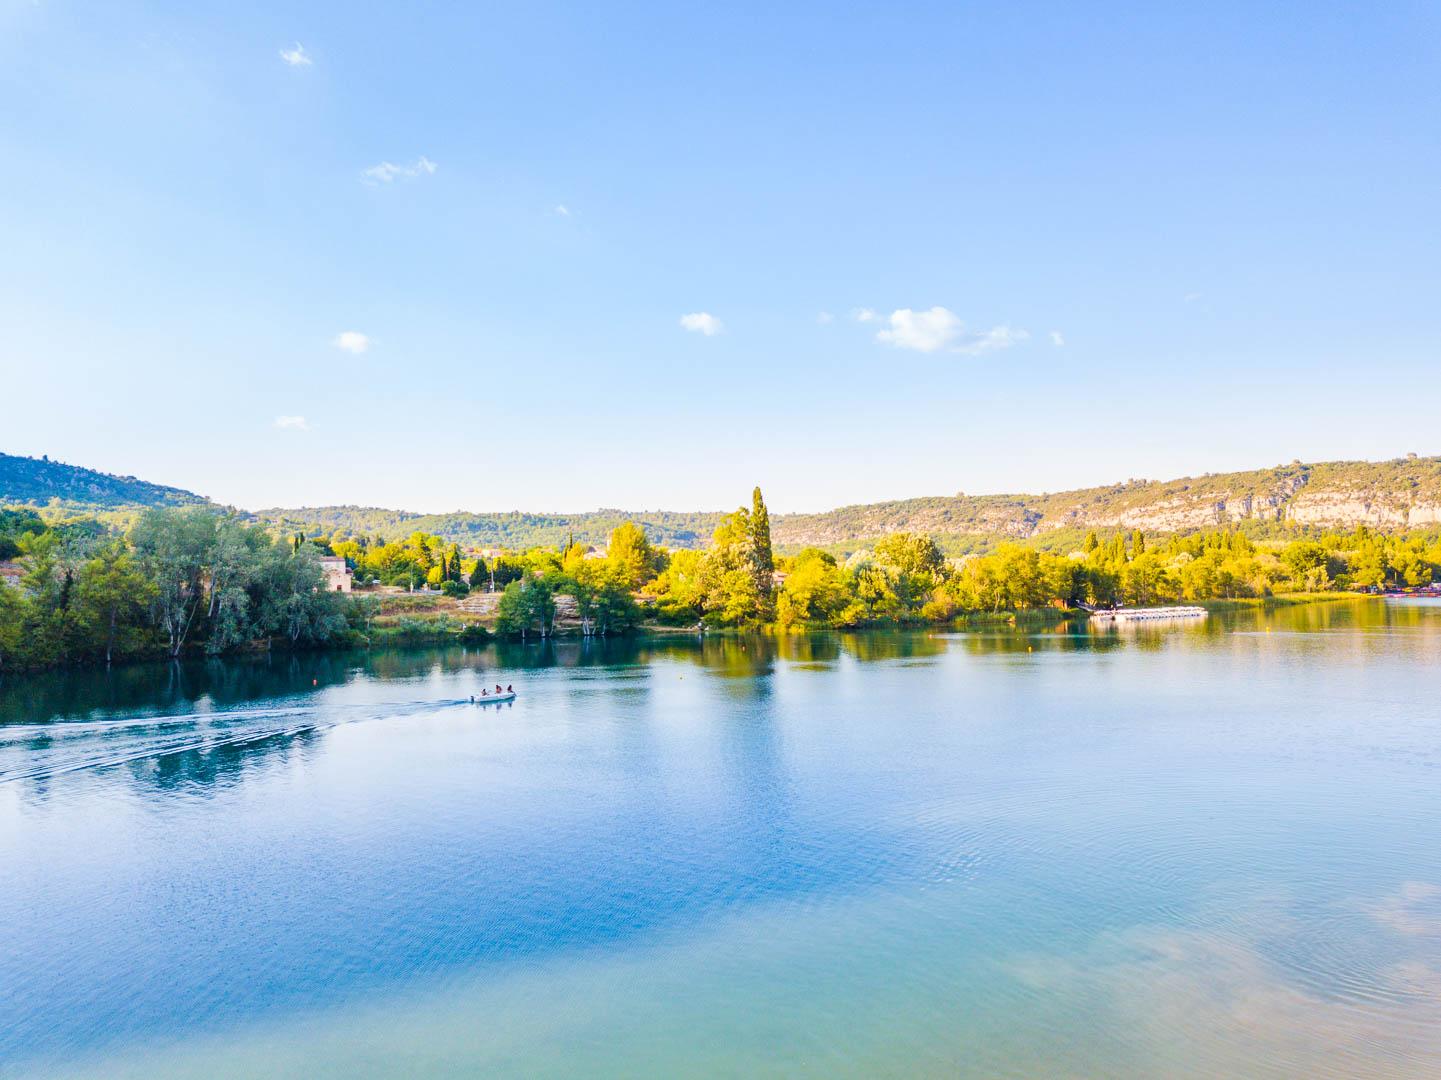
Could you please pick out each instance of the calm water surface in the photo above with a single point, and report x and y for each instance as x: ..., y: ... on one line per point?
x: 1194, y: 851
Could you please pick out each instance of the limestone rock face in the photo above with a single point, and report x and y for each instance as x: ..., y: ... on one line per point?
x: 1352, y: 508
x: 1404, y: 493
x: 1401, y: 493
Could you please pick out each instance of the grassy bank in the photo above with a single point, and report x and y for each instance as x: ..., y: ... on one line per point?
x: 1281, y: 600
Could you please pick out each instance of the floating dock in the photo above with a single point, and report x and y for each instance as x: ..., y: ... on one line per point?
x: 1149, y: 614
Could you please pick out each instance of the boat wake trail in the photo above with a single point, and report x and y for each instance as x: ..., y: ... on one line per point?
x: 39, y: 751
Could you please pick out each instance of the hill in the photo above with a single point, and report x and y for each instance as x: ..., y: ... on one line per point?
x: 27, y: 481
x: 1397, y: 494
x: 1402, y: 493
x: 515, y: 529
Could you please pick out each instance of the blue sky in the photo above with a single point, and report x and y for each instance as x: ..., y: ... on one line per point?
x: 923, y: 248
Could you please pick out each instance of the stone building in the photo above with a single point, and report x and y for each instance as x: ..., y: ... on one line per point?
x: 337, y: 574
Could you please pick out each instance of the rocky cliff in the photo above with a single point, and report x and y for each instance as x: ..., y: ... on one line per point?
x: 1403, y: 493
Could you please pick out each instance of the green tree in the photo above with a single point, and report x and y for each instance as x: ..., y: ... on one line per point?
x: 235, y: 560
x: 507, y: 569
x: 542, y: 560
x: 1064, y: 580
x: 602, y: 597
x: 761, y: 558
x: 48, y: 630
x: 1200, y: 576
x: 729, y: 581
x: 912, y: 554
x: 364, y: 607
x: 112, y: 596
x: 480, y: 576
x: 1301, y: 557
x: 1408, y: 565
x: 879, y: 594
x: 15, y: 524
x: 12, y: 614
x: 815, y: 590
x: 1145, y: 579
x: 296, y: 604
x: 527, y: 606
x: 679, y: 589
x: 1367, y: 563
x: 631, y: 554
x: 173, y: 549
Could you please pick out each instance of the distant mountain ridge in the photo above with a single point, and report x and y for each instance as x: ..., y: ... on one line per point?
x: 40, y: 481
x: 1400, y: 493
x: 1397, y: 494
x: 512, y: 529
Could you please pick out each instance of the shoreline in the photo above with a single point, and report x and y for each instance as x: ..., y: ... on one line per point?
x: 445, y: 629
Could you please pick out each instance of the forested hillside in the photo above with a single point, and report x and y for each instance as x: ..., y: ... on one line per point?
x: 1397, y: 494
x: 39, y: 481
x: 1388, y: 495
x: 515, y: 529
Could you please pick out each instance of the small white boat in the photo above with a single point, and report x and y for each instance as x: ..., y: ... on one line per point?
x: 494, y: 699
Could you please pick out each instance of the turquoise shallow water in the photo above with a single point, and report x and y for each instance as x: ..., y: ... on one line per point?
x: 1205, y: 850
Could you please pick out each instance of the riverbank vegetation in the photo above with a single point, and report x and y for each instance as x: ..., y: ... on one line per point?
x: 905, y: 578
x: 178, y: 581
x: 192, y: 580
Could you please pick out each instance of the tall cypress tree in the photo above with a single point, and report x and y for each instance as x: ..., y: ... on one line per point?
x: 762, y: 561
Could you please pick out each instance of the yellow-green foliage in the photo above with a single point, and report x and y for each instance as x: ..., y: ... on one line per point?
x: 904, y: 579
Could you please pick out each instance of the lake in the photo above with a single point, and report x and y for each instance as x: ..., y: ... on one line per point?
x: 1194, y: 850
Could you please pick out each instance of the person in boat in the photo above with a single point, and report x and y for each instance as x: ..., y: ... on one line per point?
x: 508, y: 689
x: 498, y: 690
x: 484, y: 691
x: 472, y: 699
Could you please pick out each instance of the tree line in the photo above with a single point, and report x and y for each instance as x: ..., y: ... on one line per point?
x: 178, y: 581
x: 905, y: 577
x: 193, y: 580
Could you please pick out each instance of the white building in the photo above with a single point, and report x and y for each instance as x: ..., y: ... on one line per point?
x: 337, y: 574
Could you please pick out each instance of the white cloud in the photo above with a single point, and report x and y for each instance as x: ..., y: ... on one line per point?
x: 863, y: 314
x: 386, y: 173
x: 1191, y: 297
x: 825, y: 317
x: 939, y: 328
x: 1057, y: 338
x: 702, y: 322
x: 924, y: 331
x: 296, y: 57
x: 292, y: 423
x: 352, y: 341
x: 561, y: 210
x: 997, y: 337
